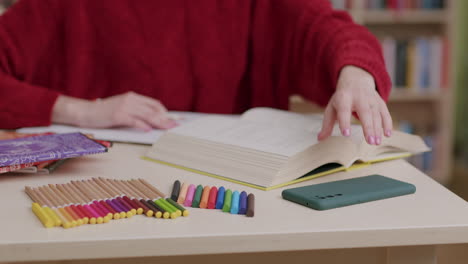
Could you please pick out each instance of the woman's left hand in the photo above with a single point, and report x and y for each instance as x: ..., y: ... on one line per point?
x: 356, y: 92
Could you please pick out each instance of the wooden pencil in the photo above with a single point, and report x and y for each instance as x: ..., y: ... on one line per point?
x: 151, y: 187
x: 114, y: 203
x: 82, y: 189
x: 97, y: 201
x: 144, y: 200
x: 50, y: 200
x: 76, y: 203
x: 92, y: 214
x: 106, y: 200
x: 149, y: 193
x: 97, y: 197
x: 127, y: 208
x: 63, y: 202
x: 123, y: 190
x: 125, y: 198
x: 39, y: 209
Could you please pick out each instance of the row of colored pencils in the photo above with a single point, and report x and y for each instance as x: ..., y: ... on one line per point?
x: 98, y: 201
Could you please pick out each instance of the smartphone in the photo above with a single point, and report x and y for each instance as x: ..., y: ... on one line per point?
x: 341, y: 193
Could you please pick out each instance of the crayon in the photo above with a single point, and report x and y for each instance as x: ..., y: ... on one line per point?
x: 182, y: 193
x: 189, y: 196
x: 227, y: 201
x: 250, y: 205
x: 220, y: 198
x: 212, y: 198
x: 243, y: 203
x: 175, y: 190
x: 235, y: 203
x: 204, y: 198
x: 197, y: 197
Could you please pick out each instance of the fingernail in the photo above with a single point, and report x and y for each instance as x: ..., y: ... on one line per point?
x: 378, y: 140
x: 319, y: 136
x: 388, y: 133
x: 346, y: 132
x: 170, y: 124
x: 371, y: 140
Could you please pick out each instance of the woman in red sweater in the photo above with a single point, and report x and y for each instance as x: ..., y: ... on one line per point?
x: 225, y: 56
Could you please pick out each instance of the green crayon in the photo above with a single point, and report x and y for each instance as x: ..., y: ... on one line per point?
x: 197, y: 197
x: 227, y: 201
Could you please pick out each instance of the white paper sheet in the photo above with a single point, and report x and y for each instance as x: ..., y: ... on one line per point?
x: 128, y: 135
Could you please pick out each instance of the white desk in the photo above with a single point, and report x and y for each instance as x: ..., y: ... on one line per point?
x: 432, y: 216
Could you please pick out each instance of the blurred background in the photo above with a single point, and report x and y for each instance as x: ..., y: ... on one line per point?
x: 423, y: 44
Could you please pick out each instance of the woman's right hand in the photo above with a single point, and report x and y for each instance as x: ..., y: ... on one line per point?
x: 124, y: 110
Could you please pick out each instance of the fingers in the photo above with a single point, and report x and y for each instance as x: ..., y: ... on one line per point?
x: 151, y: 118
x: 376, y: 122
x: 141, y: 125
x: 132, y: 122
x: 328, y: 123
x: 149, y: 101
x: 344, y: 115
x: 386, y: 120
x: 138, y: 111
x: 365, y: 115
x: 153, y: 103
x: 377, y: 119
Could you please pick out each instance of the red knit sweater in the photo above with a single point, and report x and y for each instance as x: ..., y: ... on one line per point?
x: 220, y: 56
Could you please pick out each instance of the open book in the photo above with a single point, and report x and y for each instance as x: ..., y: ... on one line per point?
x: 267, y: 148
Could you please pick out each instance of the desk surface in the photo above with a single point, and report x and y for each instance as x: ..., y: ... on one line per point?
x: 433, y: 215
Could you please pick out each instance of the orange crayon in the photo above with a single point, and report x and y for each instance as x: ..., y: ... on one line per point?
x: 205, y: 196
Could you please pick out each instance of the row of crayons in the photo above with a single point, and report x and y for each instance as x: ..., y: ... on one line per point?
x: 213, y: 198
x: 98, y: 201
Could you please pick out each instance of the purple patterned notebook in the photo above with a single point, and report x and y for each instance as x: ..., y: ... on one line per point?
x: 47, y: 147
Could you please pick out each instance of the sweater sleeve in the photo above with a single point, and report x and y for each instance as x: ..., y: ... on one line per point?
x: 314, y: 42
x: 26, y: 30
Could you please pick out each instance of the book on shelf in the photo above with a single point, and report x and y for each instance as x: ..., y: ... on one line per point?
x: 266, y: 148
x: 391, y: 4
x: 404, y: 4
x: 418, y: 65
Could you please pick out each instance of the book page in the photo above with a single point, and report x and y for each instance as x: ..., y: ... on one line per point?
x: 275, y: 117
x: 127, y: 135
x: 281, y: 140
x: 278, y: 140
x: 309, y: 122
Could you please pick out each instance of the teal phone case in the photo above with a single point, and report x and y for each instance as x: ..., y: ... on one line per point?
x: 348, y: 192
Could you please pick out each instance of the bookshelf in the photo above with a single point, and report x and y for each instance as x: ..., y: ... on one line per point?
x: 429, y: 111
